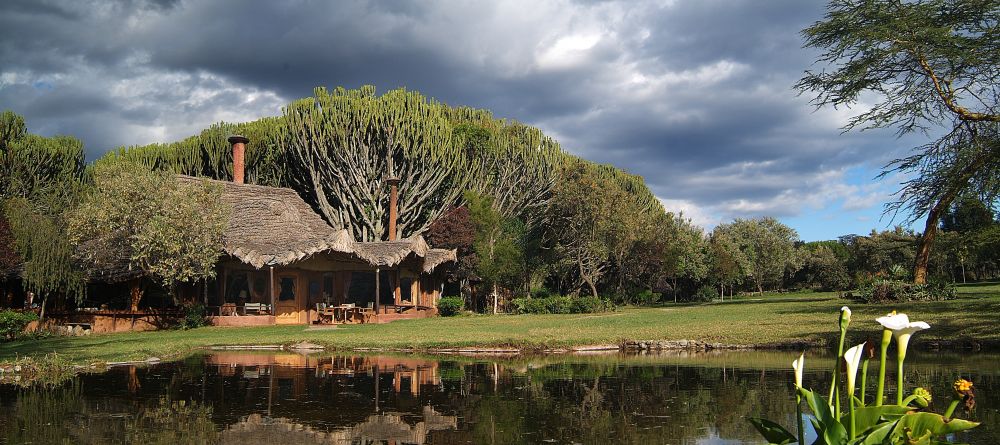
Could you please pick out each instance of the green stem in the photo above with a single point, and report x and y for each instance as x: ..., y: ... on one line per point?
x: 836, y: 368
x: 798, y: 417
x: 864, y: 380
x: 836, y: 403
x: 880, y: 391
x: 909, y: 399
x: 951, y: 409
x: 854, y: 426
x: 899, y: 382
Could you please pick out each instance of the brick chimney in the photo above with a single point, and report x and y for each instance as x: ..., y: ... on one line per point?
x: 239, y: 147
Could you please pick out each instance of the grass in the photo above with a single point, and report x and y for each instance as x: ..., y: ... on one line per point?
x: 770, y: 319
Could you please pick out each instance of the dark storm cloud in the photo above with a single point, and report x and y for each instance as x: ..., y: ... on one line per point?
x: 696, y: 96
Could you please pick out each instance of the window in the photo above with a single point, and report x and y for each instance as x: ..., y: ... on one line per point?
x: 287, y: 289
x: 406, y: 289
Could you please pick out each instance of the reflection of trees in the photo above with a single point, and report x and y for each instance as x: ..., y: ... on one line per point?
x: 63, y: 415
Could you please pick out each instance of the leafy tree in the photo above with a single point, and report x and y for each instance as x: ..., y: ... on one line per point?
x: 686, y: 256
x: 137, y: 219
x: 968, y: 214
x: 498, y: 245
x: 932, y: 65
x: 9, y: 258
x: 766, y: 245
x: 822, y: 268
x: 579, y: 223
x: 455, y: 230
x: 725, y: 262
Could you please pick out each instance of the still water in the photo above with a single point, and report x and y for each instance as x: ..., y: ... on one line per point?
x: 245, y: 398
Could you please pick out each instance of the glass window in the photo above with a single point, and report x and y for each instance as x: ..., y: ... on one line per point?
x: 287, y: 289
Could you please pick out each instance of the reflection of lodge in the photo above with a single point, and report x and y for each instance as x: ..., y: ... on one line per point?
x: 408, y: 375
x: 378, y: 428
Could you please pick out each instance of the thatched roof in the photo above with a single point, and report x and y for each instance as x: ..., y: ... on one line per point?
x: 274, y: 226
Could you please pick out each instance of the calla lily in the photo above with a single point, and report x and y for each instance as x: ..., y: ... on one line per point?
x: 845, y: 317
x: 853, y: 358
x: 798, y: 365
x: 902, y: 329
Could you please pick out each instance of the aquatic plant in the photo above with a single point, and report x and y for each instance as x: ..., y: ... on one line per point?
x: 906, y: 422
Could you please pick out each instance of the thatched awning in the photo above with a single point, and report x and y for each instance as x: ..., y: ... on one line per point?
x: 391, y: 253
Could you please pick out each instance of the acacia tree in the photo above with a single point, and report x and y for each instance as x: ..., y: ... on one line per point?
x: 766, y: 245
x: 932, y: 65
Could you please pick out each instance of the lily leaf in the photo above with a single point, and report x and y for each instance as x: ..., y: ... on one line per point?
x: 870, y: 416
x: 920, y: 423
x: 773, y: 433
x: 828, y: 428
x: 877, y: 435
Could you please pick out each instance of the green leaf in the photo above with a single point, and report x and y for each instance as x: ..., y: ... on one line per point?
x: 870, y: 416
x: 877, y: 435
x: 921, y: 423
x: 828, y: 428
x: 774, y: 434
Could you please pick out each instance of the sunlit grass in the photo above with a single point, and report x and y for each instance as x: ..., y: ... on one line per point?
x: 769, y: 319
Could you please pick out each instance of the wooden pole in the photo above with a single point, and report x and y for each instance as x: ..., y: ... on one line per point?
x: 377, y: 293
x: 271, y: 290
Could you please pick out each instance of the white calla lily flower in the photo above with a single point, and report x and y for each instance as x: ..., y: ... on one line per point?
x: 902, y: 328
x: 799, y: 365
x: 853, y: 359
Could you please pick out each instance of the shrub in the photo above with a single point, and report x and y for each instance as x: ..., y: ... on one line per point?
x: 648, y: 298
x: 884, y: 290
x: 541, y: 292
x: 560, y: 305
x: 194, y: 317
x: 12, y: 323
x: 450, y: 306
x: 705, y: 293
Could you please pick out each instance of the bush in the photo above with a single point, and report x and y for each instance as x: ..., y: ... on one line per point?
x: 12, y: 323
x: 450, y: 306
x: 705, y: 293
x: 648, y: 298
x: 884, y: 290
x: 194, y: 317
x: 560, y: 305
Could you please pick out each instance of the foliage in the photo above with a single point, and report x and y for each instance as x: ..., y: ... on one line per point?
x: 498, y: 245
x: 561, y: 305
x: 12, y: 323
x: 455, y: 230
x: 9, y: 258
x: 706, y: 293
x: 889, y: 290
x: 49, y: 266
x: 450, y: 306
x: 764, y: 248
x: 136, y: 219
x: 931, y: 64
x: 195, y: 316
x: 823, y: 270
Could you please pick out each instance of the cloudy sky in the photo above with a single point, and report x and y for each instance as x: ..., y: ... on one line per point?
x: 694, y: 95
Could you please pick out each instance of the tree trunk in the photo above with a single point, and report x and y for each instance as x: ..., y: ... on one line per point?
x: 135, y: 295
x: 586, y: 279
x: 963, y: 271
x: 496, y: 297
x: 927, y: 240
x: 41, y: 313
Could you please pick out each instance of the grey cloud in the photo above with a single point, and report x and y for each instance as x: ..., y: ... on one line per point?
x: 640, y: 96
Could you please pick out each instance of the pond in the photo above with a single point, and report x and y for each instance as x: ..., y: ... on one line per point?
x: 243, y: 397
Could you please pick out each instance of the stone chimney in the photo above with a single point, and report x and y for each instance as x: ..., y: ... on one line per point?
x: 239, y: 143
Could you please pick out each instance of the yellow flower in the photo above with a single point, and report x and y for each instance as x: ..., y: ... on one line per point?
x: 962, y: 386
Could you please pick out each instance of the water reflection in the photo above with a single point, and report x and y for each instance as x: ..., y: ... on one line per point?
x: 243, y: 397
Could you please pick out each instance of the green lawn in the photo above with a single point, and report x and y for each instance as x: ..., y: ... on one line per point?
x: 767, y: 319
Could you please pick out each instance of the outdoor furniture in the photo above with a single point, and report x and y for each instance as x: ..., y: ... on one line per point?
x: 256, y: 308
x: 227, y: 309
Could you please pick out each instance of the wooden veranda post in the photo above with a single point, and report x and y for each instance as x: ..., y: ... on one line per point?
x: 271, y: 290
x: 377, y: 293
